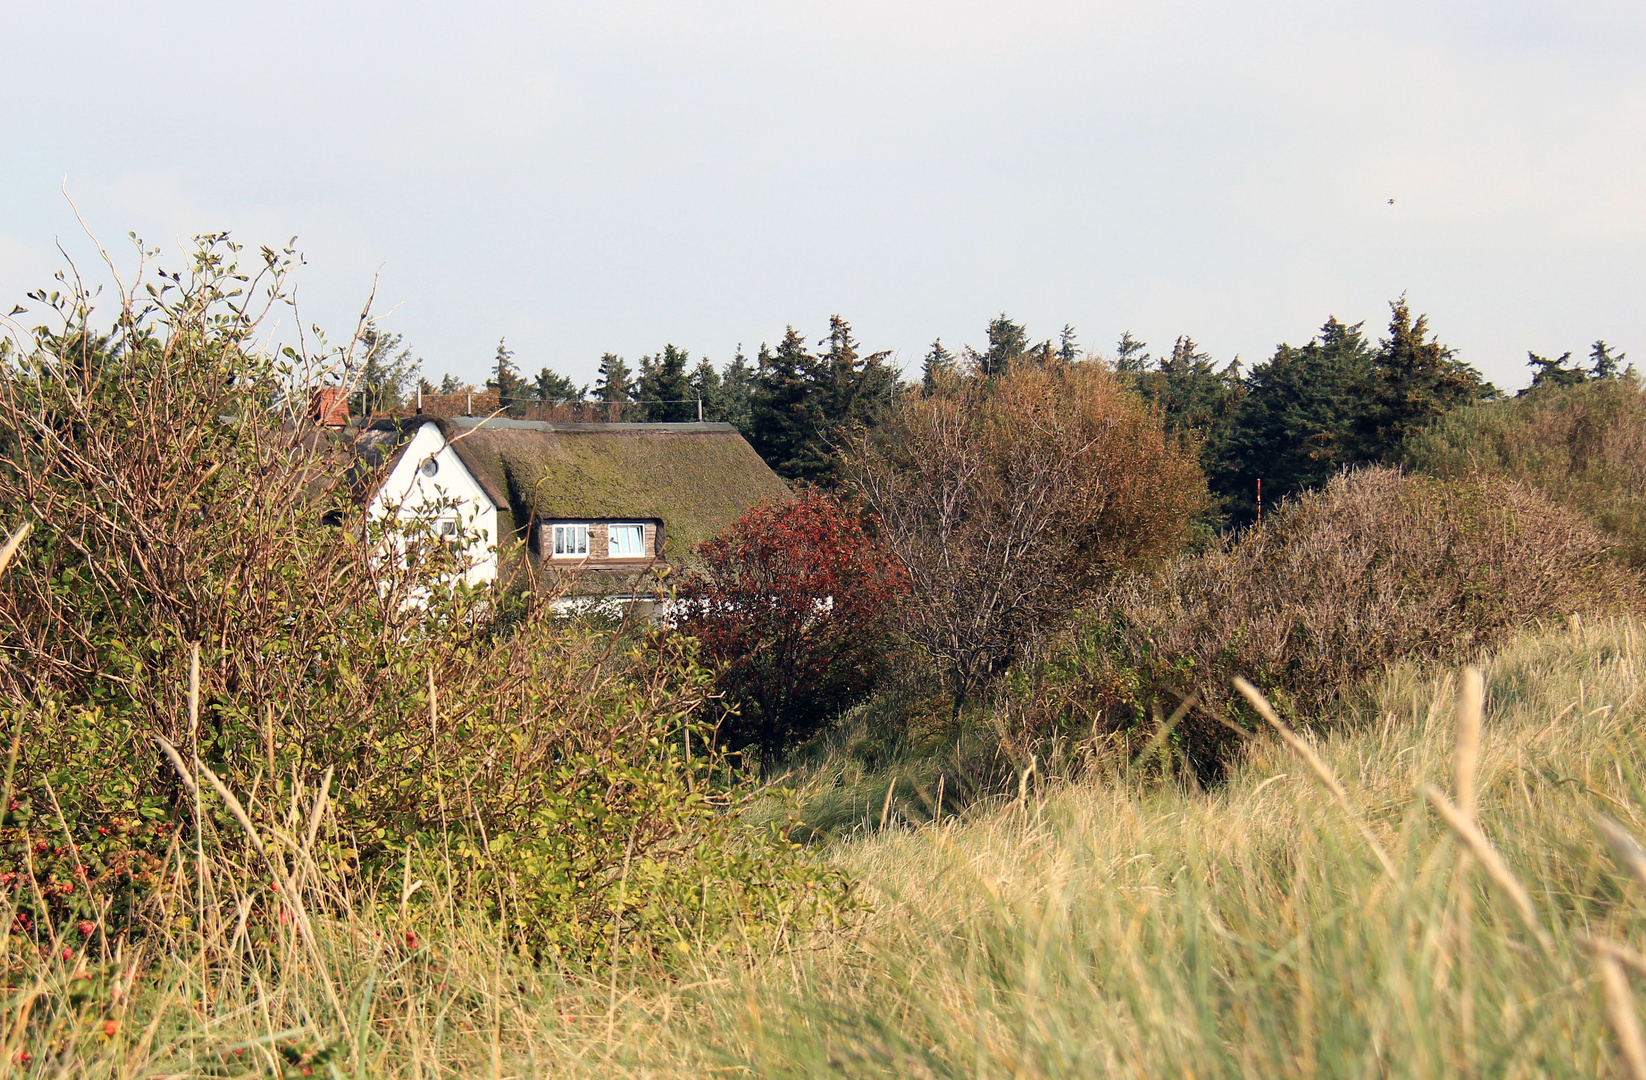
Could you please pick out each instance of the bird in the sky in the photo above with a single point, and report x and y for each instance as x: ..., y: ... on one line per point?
x: 1391, y: 202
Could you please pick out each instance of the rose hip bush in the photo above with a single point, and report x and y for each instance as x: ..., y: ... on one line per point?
x: 794, y: 603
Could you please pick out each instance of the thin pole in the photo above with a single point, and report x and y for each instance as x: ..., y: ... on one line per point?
x: 1260, y: 502
x: 699, y: 410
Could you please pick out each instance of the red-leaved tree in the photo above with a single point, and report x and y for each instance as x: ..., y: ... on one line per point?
x: 794, y: 602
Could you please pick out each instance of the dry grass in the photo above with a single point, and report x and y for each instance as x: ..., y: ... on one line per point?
x: 1100, y: 930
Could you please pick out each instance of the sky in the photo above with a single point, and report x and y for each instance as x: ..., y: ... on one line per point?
x: 583, y: 177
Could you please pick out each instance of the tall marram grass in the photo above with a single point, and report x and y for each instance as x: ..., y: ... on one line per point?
x: 1098, y: 930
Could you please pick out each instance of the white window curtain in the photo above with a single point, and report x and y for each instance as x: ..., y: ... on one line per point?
x: 626, y: 541
x: 571, y: 541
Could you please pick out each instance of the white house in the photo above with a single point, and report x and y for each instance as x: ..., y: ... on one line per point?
x: 590, y: 505
x: 427, y: 481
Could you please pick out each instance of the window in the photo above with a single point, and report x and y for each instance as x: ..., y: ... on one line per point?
x: 571, y: 541
x: 626, y: 541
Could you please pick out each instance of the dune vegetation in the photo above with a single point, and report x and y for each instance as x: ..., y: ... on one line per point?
x: 1297, y: 921
x: 285, y: 794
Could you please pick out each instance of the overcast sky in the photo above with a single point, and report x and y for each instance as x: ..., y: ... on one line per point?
x: 614, y: 175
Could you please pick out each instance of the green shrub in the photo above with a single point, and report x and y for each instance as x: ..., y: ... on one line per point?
x: 1375, y: 567
x: 553, y: 776
x: 1584, y: 445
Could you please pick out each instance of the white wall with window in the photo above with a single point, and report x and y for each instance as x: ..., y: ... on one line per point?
x: 430, y: 482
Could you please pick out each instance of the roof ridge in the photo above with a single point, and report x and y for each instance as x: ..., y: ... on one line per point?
x: 503, y: 423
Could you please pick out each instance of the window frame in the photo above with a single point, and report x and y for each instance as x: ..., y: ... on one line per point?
x: 610, y: 526
x: 572, y: 528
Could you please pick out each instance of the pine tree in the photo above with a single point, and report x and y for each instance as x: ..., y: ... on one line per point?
x: 1192, y: 393
x: 800, y: 403
x: 553, y: 388
x: 857, y: 389
x: 736, y: 384
x: 388, y: 373
x: 506, y: 378
x: 938, y: 368
x: 1068, y: 349
x: 705, y: 383
x: 1603, y: 364
x: 1007, y: 343
x: 1556, y: 372
x: 1130, y: 357
x: 665, y: 392
x: 1296, y: 423
x: 1415, y: 379
x: 612, y: 387
x: 451, y: 384
x: 783, y: 409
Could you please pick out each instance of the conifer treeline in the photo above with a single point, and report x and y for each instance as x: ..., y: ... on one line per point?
x: 1292, y: 421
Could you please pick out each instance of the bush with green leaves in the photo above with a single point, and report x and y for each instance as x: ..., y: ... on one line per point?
x: 556, y: 776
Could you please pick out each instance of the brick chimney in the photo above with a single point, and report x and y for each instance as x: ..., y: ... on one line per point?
x: 329, y: 407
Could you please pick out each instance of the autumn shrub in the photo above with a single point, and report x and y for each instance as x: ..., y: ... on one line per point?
x: 1583, y: 445
x: 201, y: 575
x: 1375, y: 567
x: 1006, y: 500
x: 794, y: 603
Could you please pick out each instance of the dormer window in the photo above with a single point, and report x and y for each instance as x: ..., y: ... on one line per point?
x: 626, y: 541
x: 571, y: 541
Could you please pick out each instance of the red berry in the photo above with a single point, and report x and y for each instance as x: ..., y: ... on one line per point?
x: 87, y: 927
x: 110, y: 1027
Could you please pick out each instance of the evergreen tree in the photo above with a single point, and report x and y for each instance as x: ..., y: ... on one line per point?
x: 705, y: 383
x: 801, y: 403
x: 553, y: 388
x: 1556, y: 372
x: 1007, y: 343
x: 506, y: 378
x: 612, y: 386
x: 1602, y: 363
x: 1193, y: 395
x: 387, y: 378
x: 451, y: 384
x: 1296, y: 423
x: 1130, y: 355
x: 1415, y: 379
x: 938, y: 367
x: 784, y: 414
x: 665, y: 391
x: 1068, y: 349
x: 736, y: 384
x: 857, y: 389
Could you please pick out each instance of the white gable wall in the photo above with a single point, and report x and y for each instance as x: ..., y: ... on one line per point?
x: 452, y: 493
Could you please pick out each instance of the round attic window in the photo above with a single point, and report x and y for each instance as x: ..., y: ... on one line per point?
x: 430, y: 467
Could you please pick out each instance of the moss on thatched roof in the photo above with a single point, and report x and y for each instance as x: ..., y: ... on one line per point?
x: 695, y: 478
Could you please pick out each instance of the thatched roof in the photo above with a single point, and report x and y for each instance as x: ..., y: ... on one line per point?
x: 695, y: 478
